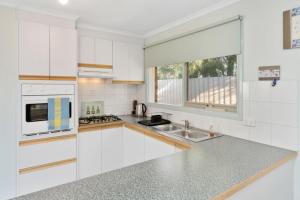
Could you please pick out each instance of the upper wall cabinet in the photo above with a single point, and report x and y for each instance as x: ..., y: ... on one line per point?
x: 33, y: 49
x: 95, y: 52
x: 104, y: 49
x: 63, y: 51
x: 47, y: 52
x: 121, y: 61
x: 136, y: 63
x: 87, y: 50
x: 128, y: 62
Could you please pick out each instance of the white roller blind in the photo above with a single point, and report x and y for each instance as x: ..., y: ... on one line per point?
x: 216, y: 41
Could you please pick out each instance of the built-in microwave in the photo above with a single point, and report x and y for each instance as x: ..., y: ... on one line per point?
x: 35, y: 107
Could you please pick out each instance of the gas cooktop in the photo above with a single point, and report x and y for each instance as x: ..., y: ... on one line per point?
x: 98, y: 119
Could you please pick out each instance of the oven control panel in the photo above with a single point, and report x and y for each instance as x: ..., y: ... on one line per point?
x: 38, y: 89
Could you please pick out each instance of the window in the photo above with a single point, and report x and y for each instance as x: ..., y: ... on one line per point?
x: 210, y: 83
x: 213, y: 83
x: 168, y: 84
x: 202, y: 83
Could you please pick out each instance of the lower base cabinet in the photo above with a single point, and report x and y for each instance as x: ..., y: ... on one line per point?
x: 46, y: 178
x: 134, y: 147
x: 89, y: 154
x: 45, y: 163
x: 112, y: 149
x: 156, y: 149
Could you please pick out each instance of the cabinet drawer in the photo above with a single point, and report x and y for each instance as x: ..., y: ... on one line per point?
x: 48, y: 152
x: 46, y: 178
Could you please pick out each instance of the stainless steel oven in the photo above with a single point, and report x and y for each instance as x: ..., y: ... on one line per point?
x: 35, y: 107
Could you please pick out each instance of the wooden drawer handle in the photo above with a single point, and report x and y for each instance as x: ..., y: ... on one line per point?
x: 90, y: 65
x: 46, y: 140
x: 46, y: 166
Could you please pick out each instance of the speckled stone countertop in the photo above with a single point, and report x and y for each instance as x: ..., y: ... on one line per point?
x: 206, y: 170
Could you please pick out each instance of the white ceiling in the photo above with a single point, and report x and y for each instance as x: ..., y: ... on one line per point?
x: 134, y: 16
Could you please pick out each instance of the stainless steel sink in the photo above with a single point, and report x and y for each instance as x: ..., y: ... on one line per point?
x: 192, y: 134
x: 195, y: 135
x: 168, y: 128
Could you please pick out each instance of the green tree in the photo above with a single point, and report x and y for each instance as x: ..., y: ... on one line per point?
x: 213, y: 67
x: 170, y: 72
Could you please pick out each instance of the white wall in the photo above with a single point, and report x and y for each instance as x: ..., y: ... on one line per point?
x: 275, y: 110
x: 8, y: 94
x: 117, y: 97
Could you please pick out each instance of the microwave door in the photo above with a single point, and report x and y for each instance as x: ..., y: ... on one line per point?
x: 35, y: 114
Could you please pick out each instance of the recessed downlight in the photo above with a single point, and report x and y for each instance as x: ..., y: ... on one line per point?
x: 63, y: 2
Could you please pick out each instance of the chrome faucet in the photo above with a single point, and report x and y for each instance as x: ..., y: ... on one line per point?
x: 186, y: 124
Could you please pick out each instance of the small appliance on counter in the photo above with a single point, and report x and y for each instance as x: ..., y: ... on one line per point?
x: 155, y: 121
x: 140, y: 110
x: 134, y: 104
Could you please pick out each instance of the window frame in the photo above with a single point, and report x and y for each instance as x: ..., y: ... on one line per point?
x: 200, y: 109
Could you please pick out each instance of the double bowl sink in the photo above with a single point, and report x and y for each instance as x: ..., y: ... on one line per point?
x: 192, y: 134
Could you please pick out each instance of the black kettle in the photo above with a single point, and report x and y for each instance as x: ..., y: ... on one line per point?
x: 141, y: 110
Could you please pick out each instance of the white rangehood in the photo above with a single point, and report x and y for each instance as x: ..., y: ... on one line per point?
x: 90, y: 72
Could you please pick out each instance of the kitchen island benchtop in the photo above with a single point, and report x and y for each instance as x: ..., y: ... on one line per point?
x: 213, y: 169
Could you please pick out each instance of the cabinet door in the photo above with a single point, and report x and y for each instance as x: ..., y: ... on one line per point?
x: 112, y: 149
x: 120, y: 61
x: 63, y: 51
x: 156, y: 149
x: 33, y: 49
x: 134, y: 147
x: 89, y: 155
x: 104, y: 51
x: 136, y: 63
x: 46, y: 178
x: 87, y: 50
x: 39, y: 154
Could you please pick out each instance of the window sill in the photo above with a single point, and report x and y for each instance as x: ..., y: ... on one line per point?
x: 209, y: 112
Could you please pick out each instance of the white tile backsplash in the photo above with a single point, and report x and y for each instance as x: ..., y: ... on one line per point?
x: 117, y: 97
x: 285, y: 92
x: 285, y: 137
x: 261, y: 111
x: 261, y: 133
x: 260, y: 91
x: 284, y: 114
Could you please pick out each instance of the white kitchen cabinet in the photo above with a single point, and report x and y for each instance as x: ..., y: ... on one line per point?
x: 43, y: 153
x: 104, y: 52
x: 136, y: 63
x: 128, y: 62
x: 121, y: 61
x: 63, y: 51
x: 46, y: 178
x: 87, y: 50
x: 33, y: 49
x: 134, y: 147
x: 112, y: 149
x: 95, y: 51
x: 89, y: 154
x: 156, y: 149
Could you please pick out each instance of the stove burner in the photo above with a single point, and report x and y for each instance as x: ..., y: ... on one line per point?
x: 98, y: 119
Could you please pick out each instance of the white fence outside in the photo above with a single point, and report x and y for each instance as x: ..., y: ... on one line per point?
x: 210, y: 90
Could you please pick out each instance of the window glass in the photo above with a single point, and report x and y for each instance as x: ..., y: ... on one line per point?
x: 168, y: 84
x: 213, y: 82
